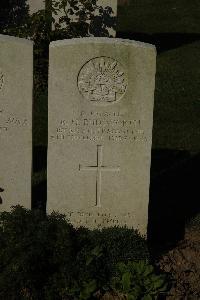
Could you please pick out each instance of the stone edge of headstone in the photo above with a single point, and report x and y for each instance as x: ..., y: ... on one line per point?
x: 101, y: 40
x: 10, y: 38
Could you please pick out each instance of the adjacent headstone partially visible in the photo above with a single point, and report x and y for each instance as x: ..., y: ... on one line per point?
x: 16, y: 82
x: 101, y: 94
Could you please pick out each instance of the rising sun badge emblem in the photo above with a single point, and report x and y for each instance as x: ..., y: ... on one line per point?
x: 102, y: 80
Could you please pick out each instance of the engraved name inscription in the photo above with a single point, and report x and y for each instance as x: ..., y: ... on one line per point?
x: 8, y: 122
x: 100, y: 219
x: 102, y: 80
x: 98, y: 127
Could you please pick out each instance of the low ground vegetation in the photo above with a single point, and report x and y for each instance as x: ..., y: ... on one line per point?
x: 45, y: 257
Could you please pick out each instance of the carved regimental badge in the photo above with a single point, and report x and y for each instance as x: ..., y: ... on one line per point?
x: 1, y: 79
x: 102, y: 80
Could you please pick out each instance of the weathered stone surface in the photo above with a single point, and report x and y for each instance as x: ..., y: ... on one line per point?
x: 16, y: 78
x: 101, y: 94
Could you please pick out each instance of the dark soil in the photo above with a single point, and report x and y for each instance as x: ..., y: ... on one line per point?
x: 183, y: 263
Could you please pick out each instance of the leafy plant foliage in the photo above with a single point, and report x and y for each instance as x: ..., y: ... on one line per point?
x: 83, y: 18
x: 65, y: 19
x: 138, y: 281
x: 13, y: 15
x: 44, y: 257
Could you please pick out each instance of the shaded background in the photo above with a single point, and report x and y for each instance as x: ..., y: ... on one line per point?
x: 174, y: 27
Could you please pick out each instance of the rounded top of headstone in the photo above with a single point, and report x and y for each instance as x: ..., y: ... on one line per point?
x: 101, y: 40
x: 9, y: 38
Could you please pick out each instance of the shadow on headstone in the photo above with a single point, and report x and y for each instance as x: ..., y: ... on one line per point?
x: 39, y: 158
x: 173, y: 196
x: 39, y: 186
x: 162, y: 41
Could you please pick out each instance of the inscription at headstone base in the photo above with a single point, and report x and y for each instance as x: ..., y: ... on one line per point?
x: 101, y: 94
x: 16, y: 77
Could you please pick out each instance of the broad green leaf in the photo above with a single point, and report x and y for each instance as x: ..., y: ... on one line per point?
x: 126, y: 281
x: 88, y: 289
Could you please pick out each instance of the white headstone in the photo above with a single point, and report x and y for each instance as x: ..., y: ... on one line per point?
x: 16, y: 82
x: 101, y: 94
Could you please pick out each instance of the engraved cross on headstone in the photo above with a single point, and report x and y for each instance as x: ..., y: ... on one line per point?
x: 99, y: 168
